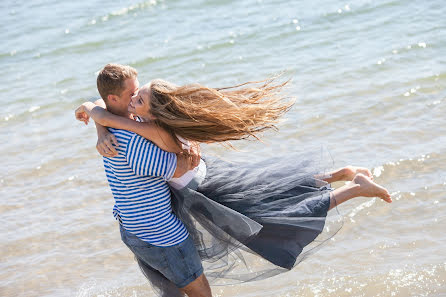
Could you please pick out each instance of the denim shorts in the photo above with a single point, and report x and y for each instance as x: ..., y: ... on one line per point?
x: 179, y: 263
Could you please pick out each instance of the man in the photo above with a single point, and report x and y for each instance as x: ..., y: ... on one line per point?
x: 138, y: 177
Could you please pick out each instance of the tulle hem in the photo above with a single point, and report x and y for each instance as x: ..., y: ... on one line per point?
x: 254, y: 221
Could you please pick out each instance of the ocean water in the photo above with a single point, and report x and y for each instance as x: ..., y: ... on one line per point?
x: 370, y: 83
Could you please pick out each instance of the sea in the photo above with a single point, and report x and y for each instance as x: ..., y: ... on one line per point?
x: 369, y: 79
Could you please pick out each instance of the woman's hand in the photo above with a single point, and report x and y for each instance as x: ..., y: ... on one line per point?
x: 83, y: 112
x: 81, y: 115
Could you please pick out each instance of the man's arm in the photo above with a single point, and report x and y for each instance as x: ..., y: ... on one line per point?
x: 106, y: 141
x: 145, y: 158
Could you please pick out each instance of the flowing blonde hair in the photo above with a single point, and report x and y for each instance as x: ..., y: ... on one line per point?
x: 199, y: 113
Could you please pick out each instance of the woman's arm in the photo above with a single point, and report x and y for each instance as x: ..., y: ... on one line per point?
x: 148, y: 130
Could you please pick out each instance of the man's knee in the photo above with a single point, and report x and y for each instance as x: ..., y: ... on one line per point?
x: 198, y: 288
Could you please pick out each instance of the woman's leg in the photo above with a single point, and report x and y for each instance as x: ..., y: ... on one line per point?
x: 345, y: 174
x: 361, y: 186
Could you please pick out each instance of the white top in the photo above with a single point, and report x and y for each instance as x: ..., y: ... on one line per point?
x: 184, y: 180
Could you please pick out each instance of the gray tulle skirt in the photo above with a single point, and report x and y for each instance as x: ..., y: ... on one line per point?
x: 253, y: 221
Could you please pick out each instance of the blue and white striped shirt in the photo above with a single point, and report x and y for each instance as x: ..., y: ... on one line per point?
x: 138, y: 178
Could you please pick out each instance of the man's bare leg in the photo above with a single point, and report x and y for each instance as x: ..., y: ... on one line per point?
x: 198, y: 288
x: 361, y: 186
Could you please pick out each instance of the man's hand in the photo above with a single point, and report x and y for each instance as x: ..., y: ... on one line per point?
x: 106, y: 140
x: 195, y: 153
x: 185, y: 162
x: 105, y: 147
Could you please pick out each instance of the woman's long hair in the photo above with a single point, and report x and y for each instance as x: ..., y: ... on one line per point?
x: 208, y: 115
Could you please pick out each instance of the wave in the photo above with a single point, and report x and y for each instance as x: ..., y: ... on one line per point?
x: 126, y: 10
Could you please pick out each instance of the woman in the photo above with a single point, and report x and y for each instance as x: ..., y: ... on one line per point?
x: 238, y: 212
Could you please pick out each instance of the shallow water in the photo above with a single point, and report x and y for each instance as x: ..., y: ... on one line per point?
x: 370, y: 78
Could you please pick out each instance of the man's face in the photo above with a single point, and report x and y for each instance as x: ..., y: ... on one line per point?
x: 131, y: 86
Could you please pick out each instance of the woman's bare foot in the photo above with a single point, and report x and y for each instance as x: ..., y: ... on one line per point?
x: 367, y: 188
x: 344, y: 174
x: 349, y: 172
x: 360, y: 186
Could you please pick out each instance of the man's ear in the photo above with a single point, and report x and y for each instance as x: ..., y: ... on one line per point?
x: 112, y: 98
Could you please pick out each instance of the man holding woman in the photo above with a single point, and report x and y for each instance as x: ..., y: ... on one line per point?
x: 138, y: 174
x: 271, y: 209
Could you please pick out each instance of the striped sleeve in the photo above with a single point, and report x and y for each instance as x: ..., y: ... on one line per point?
x: 146, y: 159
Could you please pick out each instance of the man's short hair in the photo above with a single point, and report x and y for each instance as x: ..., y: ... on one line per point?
x: 111, y: 79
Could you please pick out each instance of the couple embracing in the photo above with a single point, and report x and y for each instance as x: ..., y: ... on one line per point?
x: 178, y: 210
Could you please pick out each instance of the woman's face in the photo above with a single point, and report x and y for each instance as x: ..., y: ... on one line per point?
x: 140, y: 103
